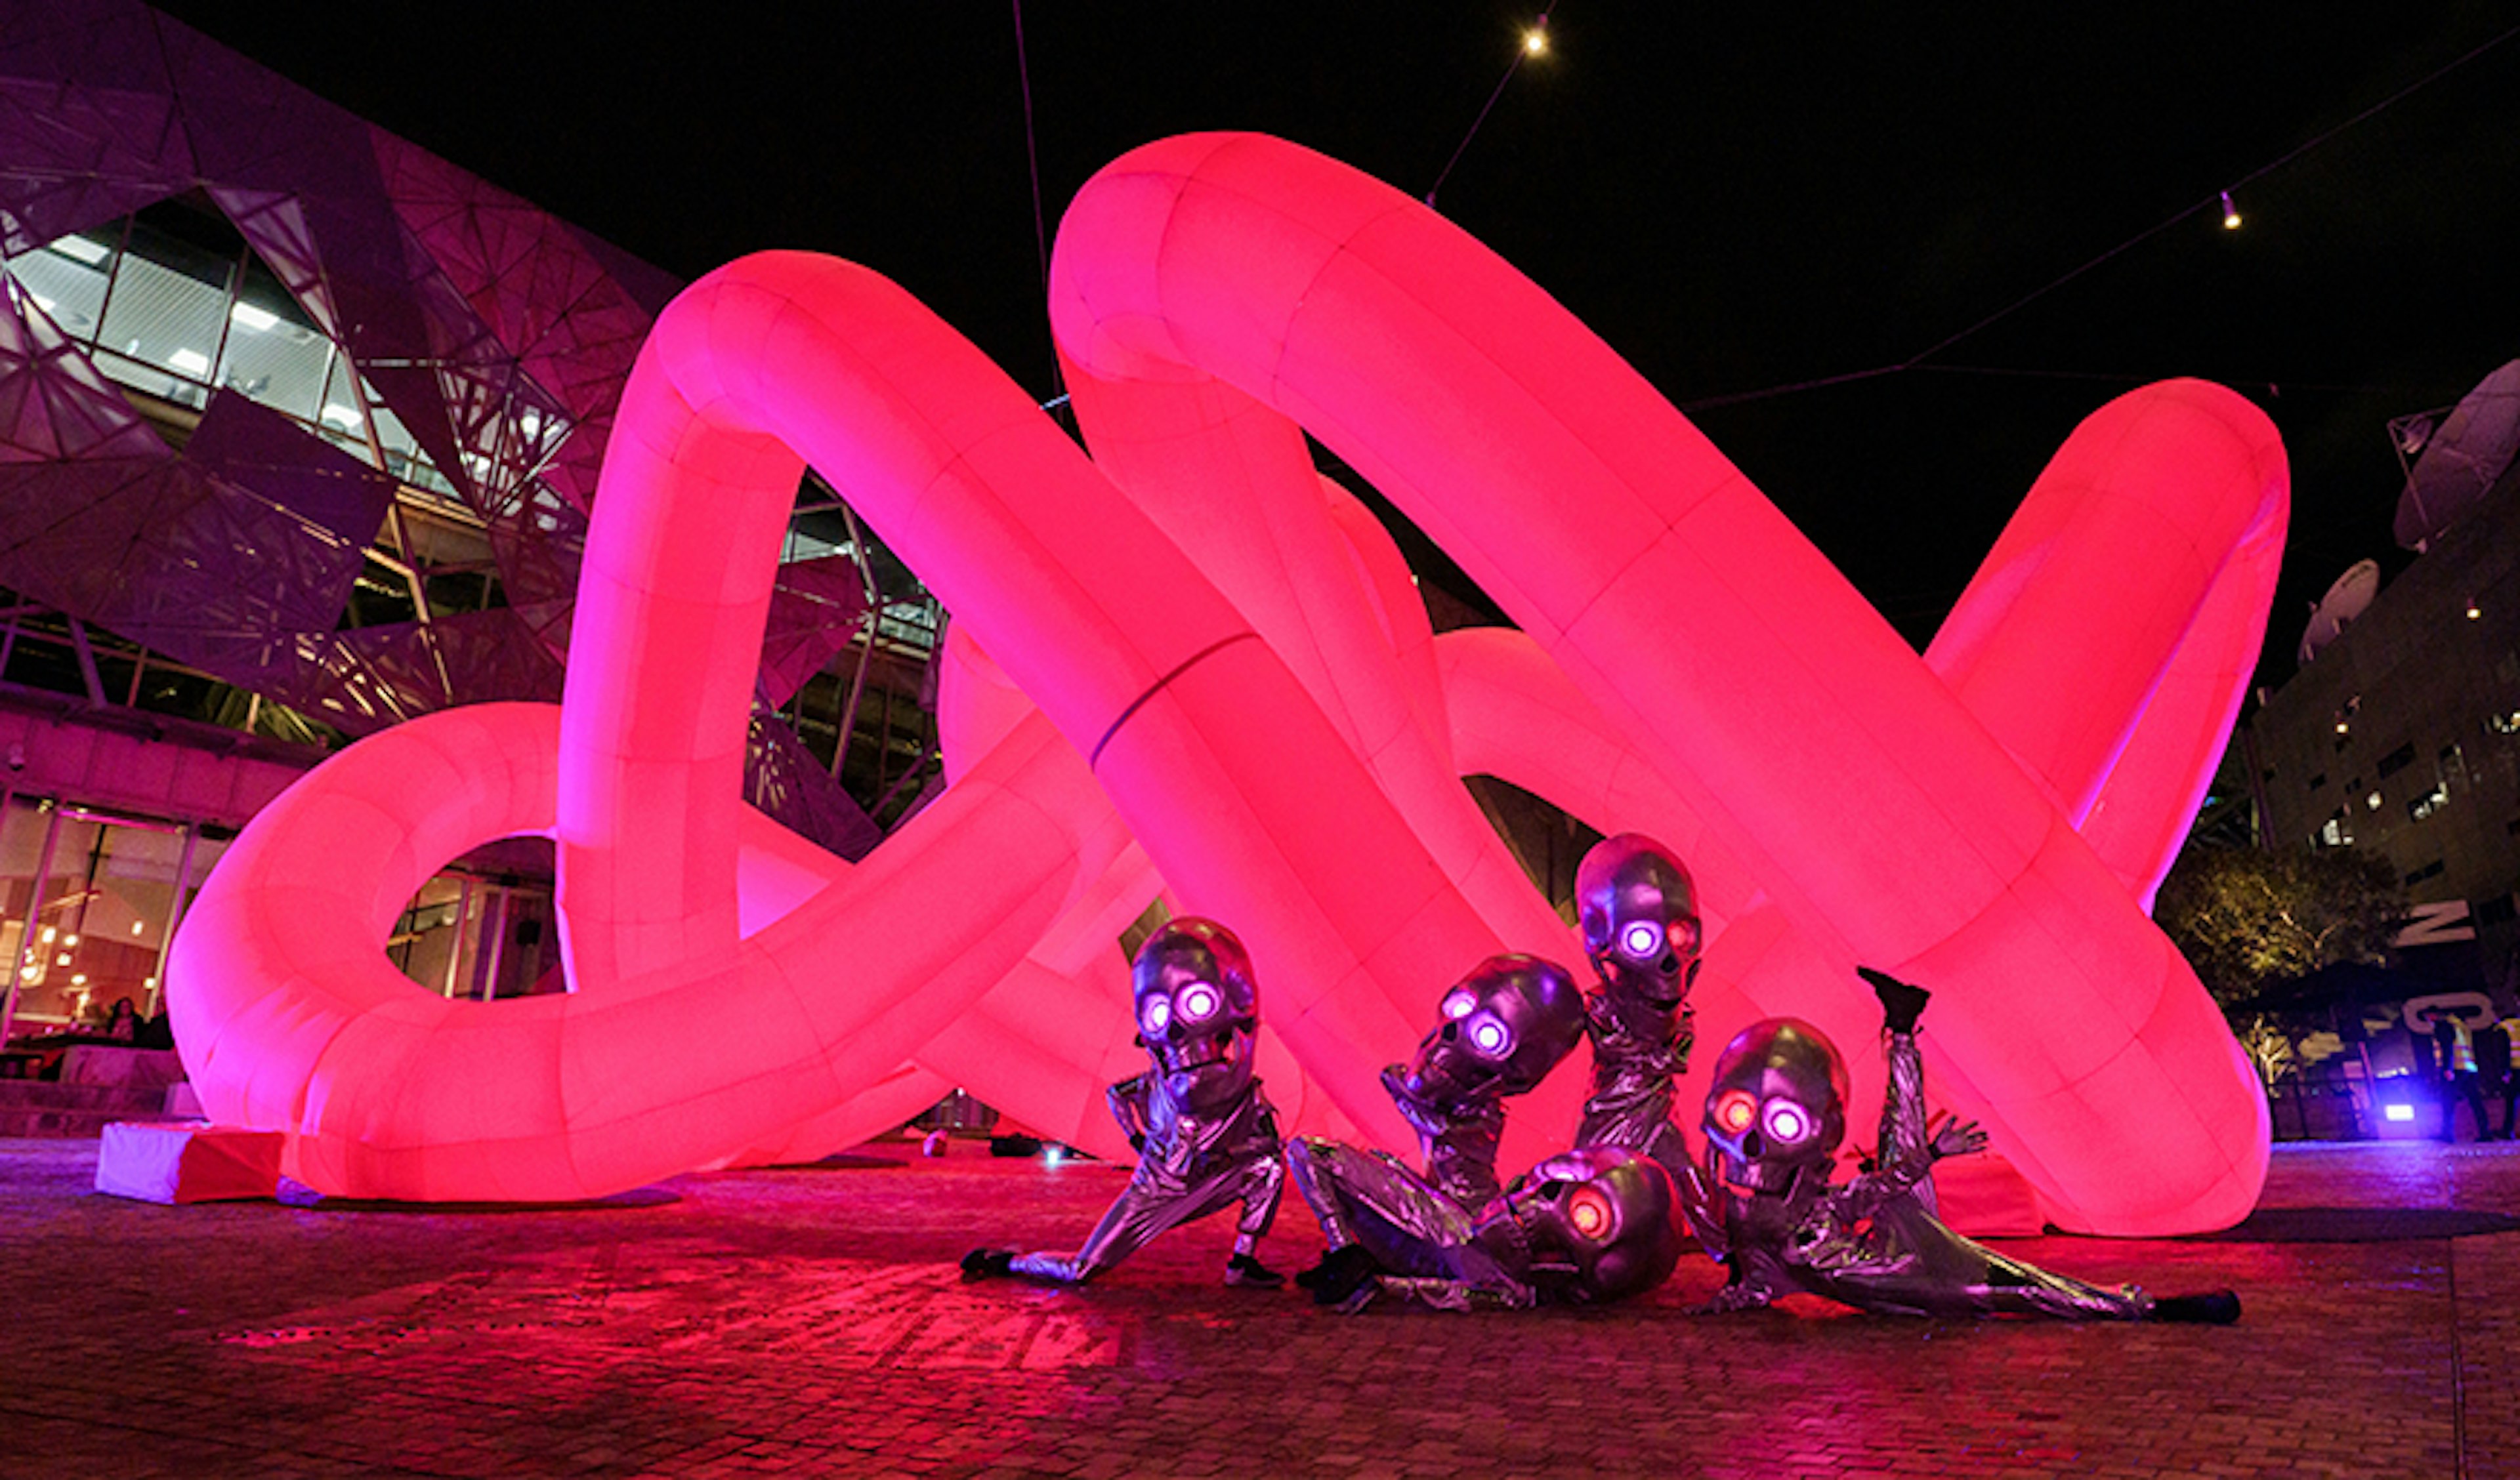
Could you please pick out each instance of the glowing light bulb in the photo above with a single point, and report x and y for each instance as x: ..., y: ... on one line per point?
x: 2475, y: 612
x: 1535, y: 41
x: 2230, y: 214
x: 1643, y: 938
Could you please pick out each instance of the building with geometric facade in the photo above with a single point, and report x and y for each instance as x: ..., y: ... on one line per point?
x: 2401, y: 734
x: 299, y: 426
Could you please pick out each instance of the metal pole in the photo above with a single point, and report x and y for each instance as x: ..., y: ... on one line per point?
x: 498, y: 932
x: 35, y: 913
x: 857, y: 691
x: 174, y: 914
x: 455, y: 942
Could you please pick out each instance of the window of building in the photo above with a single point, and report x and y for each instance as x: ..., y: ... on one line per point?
x: 2319, y: 781
x: 2397, y: 760
x: 2338, y: 832
x: 2494, y: 911
x: 2372, y: 801
x: 2429, y: 871
x: 2507, y: 722
x: 2421, y: 807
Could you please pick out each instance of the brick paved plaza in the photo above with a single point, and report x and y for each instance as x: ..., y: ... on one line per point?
x: 811, y: 1321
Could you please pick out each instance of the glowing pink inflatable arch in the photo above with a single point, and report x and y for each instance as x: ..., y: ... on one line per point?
x: 1239, y: 702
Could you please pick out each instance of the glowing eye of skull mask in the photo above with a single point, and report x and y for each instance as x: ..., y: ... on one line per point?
x: 1604, y: 1218
x: 1501, y: 1028
x: 1637, y: 910
x: 1776, y: 1108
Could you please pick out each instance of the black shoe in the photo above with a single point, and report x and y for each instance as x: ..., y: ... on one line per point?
x: 1247, y: 1271
x: 1901, y: 1004
x: 988, y: 1264
x: 2213, y: 1308
x: 1342, y: 1271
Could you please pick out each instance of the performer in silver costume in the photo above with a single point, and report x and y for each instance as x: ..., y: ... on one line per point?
x: 1637, y: 910
x: 1452, y: 1237
x: 1504, y: 1028
x: 1775, y: 1115
x: 1204, y: 1133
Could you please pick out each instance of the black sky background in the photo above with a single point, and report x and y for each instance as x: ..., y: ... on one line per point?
x: 1735, y: 197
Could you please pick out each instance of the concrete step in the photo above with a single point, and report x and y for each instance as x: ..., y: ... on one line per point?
x: 44, y: 1095
x: 41, y: 1108
x: 33, y: 1122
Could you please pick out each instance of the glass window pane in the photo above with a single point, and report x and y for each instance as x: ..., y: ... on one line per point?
x: 273, y: 353
x: 68, y: 279
x: 166, y: 319
x: 52, y: 987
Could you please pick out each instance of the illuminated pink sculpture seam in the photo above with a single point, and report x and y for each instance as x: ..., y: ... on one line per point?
x: 1237, y: 651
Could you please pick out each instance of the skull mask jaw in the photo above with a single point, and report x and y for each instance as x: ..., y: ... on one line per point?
x: 1504, y: 1028
x: 1198, y: 1011
x: 1638, y: 909
x: 1776, y: 1108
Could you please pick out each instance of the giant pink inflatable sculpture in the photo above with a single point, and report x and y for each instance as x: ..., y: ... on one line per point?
x: 1191, y: 665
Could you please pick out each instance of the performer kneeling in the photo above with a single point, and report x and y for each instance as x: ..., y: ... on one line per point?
x: 1775, y: 1113
x: 1204, y: 1133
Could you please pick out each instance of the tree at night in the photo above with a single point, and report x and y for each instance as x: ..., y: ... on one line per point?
x: 2244, y: 918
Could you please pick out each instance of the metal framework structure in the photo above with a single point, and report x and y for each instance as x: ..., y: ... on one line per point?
x: 302, y: 408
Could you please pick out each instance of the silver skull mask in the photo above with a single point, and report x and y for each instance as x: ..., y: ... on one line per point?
x: 1638, y: 909
x: 1776, y: 1108
x: 1505, y: 1026
x: 1198, y: 1010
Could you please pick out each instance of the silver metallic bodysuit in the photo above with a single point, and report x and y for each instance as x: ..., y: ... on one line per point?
x: 1503, y: 1028
x: 1204, y: 1133
x: 1190, y: 1165
x: 1418, y: 1228
x: 1637, y: 1050
x: 1876, y: 1243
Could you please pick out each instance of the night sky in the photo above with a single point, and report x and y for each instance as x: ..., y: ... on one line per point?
x: 1735, y: 197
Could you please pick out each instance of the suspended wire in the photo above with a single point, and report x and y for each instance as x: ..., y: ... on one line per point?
x: 1520, y: 53
x: 2214, y: 201
x: 1040, y: 227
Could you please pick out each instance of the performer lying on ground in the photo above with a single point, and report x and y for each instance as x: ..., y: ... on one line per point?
x: 1775, y: 1113
x: 1590, y: 1225
x: 1204, y: 1133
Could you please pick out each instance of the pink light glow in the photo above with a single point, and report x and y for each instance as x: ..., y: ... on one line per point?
x: 1257, y: 720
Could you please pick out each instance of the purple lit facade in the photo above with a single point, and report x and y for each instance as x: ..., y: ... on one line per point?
x: 315, y: 313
